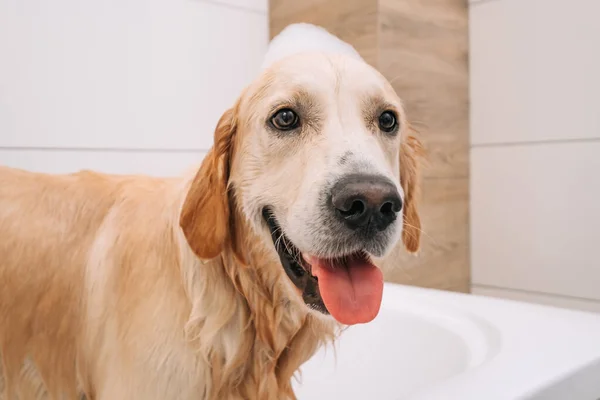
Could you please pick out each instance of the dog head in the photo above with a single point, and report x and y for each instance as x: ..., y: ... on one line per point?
x: 316, y: 156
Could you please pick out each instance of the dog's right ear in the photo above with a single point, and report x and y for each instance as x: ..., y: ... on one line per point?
x: 411, y: 156
x: 205, y: 214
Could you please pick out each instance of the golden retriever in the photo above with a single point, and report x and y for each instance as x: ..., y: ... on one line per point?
x: 220, y: 284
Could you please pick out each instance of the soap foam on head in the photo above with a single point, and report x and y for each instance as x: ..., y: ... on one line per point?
x: 300, y: 38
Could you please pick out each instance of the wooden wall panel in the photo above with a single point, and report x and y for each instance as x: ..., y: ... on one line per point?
x: 443, y: 262
x: 421, y: 47
x: 423, y: 51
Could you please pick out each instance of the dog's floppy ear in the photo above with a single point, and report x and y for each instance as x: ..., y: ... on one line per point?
x: 205, y: 214
x: 411, y: 154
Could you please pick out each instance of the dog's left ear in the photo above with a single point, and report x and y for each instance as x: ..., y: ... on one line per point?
x: 411, y: 156
x: 205, y: 214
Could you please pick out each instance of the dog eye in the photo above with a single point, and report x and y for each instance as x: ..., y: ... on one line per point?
x: 285, y: 120
x: 387, y: 121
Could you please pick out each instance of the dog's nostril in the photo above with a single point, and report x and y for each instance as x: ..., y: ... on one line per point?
x: 386, y: 208
x: 391, y: 207
x: 356, y: 208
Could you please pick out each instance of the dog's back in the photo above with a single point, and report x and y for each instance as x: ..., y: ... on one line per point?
x: 91, y: 293
x: 47, y: 224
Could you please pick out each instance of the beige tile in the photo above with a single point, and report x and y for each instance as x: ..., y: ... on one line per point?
x: 423, y: 50
x: 535, y: 214
x: 534, y: 70
x: 443, y: 262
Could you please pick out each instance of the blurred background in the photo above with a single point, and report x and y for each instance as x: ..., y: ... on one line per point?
x: 505, y: 94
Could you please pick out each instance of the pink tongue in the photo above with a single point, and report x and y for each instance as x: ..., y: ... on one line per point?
x: 352, y: 294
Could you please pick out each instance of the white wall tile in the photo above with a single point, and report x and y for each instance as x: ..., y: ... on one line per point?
x: 154, y: 163
x: 261, y: 6
x: 122, y: 73
x: 539, y: 298
x: 534, y: 70
x: 535, y: 218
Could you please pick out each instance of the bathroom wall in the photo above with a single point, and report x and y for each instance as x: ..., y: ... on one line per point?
x: 123, y: 86
x: 136, y: 86
x: 535, y: 150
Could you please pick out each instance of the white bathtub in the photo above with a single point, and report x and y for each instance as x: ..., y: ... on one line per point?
x: 428, y: 344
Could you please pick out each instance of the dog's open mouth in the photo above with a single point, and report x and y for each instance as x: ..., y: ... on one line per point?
x: 349, y: 287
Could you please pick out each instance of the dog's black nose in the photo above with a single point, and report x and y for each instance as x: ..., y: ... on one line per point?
x: 366, y: 201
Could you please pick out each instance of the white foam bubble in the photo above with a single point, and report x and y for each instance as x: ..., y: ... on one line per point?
x: 302, y: 37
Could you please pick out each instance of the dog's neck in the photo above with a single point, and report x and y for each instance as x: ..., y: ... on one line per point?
x: 244, y: 322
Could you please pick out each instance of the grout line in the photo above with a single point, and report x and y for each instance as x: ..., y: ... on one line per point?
x: 150, y: 150
x: 534, y: 143
x: 533, y: 292
x: 235, y: 7
x: 102, y: 149
x: 479, y: 2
